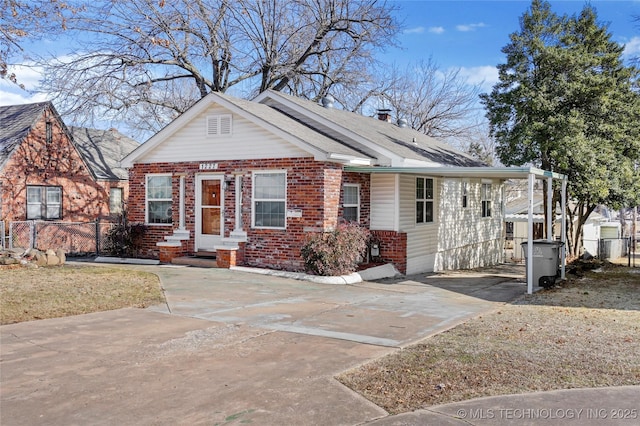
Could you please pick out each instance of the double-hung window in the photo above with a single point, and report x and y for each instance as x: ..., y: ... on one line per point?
x: 269, y: 199
x: 485, y: 196
x: 115, y: 201
x: 44, y: 202
x: 159, y: 201
x: 424, y: 200
x: 351, y: 202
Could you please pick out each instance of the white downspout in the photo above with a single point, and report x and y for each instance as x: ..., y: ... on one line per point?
x: 181, y: 221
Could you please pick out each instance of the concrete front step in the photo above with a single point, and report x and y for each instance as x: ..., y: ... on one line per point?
x: 200, y: 262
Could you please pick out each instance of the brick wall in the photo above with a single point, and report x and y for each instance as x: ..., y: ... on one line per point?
x: 313, y: 188
x: 58, y: 163
x: 393, y: 248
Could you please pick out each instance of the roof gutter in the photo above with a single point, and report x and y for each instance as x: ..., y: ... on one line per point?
x: 486, y: 172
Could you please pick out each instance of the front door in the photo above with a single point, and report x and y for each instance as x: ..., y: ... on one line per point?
x: 209, y: 208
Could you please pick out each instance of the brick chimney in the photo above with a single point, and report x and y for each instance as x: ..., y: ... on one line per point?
x: 384, y: 115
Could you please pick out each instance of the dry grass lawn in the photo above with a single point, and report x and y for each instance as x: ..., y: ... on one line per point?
x: 585, y: 333
x: 29, y: 294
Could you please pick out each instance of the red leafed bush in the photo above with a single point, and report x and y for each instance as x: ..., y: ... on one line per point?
x: 337, y: 252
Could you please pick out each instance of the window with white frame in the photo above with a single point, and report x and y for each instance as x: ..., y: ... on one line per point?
x: 159, y: 202
x: 351, y: 202
x: 269, y: 199
x: 115, y: 201
x: 485, y: 196
x: 219, y: 125
x: 424, y: 200
x: 44, y: 202
x: 465, y: 194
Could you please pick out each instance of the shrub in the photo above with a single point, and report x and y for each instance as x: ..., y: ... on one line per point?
x: 336, y: 252
x: 124, y: 239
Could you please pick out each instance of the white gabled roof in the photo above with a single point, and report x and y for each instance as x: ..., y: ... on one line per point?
x: 322, y: 147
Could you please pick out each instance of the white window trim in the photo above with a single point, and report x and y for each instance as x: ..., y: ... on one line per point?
x: 484, y: 200
x: 121, y: 201
x: 218, y: 125
x: 465, y: 194
x: 44, y: 201
x: 254, y: 199
x: 357, y: 206
x: 146, y: 199
x: 425, y: 200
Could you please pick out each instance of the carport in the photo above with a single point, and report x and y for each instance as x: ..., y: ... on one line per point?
x: 504, y: 173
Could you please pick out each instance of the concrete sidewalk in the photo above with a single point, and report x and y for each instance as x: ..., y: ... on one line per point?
x: 236, y: 348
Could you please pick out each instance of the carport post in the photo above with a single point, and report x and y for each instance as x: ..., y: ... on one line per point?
x: 563, y: 235
x: 549, y: 209
x: 530, y: 236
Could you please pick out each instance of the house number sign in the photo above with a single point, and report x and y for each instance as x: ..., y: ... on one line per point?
x: 208, y: 166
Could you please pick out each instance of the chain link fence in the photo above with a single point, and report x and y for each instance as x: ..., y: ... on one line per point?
x: 75, y: 238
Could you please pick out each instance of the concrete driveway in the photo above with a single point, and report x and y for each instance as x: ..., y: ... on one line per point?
x: 230, y: 348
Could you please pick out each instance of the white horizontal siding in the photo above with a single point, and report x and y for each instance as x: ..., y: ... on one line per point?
x: 384, y: 202
x: 247, y: 141
x: 466, y: 239
x: 422, y: 238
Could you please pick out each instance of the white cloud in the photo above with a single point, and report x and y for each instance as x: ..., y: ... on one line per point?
x: 632, y: 48
x: 485, y: 76
x: 436, y: 30
x: 416, y: 30
x: 11, y: 94
x: 470, y: 27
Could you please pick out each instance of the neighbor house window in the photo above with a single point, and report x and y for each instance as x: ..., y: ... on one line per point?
x: 115, y: 201
x: 269, y: 199
x: 485, y: 196
x: 465, y: 194
x: 44, y: 202
x: 351, y: 202
x: 424, y: 200
x: 159, y: 199
x: 219, y: 125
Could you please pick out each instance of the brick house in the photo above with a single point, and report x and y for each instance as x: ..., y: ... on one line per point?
x: 257, y: 177
x: 51, y: 172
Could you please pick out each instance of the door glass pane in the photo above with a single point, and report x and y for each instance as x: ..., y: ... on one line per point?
x: 211, y: 221
x: 211, y: 193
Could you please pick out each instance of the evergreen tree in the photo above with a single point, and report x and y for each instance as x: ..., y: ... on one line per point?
x: 566, y: 102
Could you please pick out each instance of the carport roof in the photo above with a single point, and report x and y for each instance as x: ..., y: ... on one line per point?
x: 478, y: 172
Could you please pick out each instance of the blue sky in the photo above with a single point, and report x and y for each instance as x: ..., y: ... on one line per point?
x: 455, y: 34
x: 470, y: 34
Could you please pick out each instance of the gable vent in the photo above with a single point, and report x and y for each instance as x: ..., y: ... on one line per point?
x: 219, y: 125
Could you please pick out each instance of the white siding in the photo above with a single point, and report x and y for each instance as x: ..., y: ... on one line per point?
x: 458, y: 238
x: 246, y: 142
x: 422, y: 238
x: 384, y: 202
x: 466, y: 239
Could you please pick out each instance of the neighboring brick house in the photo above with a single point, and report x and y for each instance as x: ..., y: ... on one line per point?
x: 257, y: 177
x: 51, y: 172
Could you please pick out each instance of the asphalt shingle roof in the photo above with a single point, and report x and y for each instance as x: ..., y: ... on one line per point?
x: 403, y: 141
x: 102, y: 151
x: 15, y: 124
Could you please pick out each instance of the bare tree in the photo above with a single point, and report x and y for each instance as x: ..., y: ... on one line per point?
x: 26, y: 19
x: 161, y: 56
x: 439, y: 103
